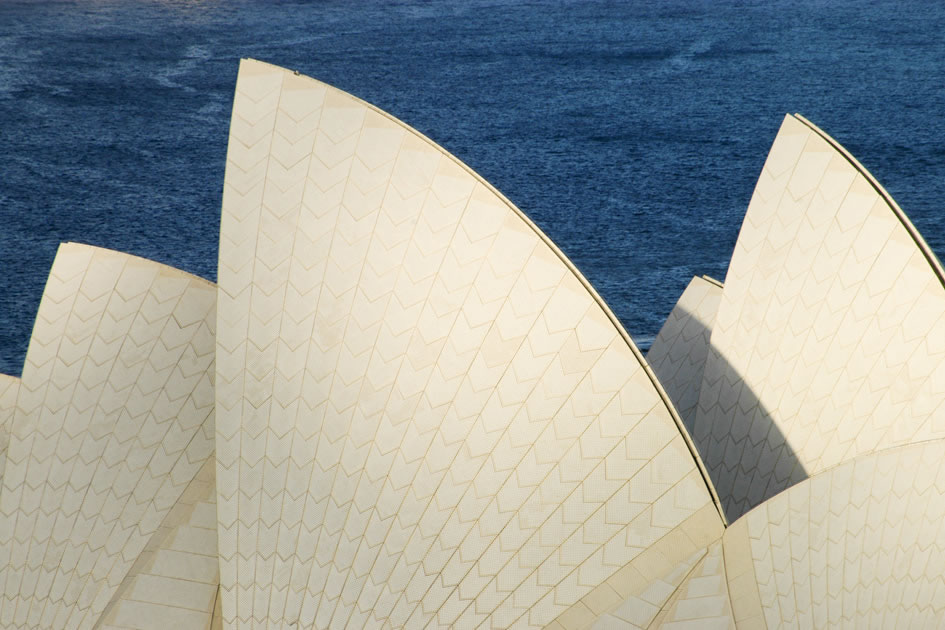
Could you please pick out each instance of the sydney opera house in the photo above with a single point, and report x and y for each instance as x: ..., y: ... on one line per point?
x: 402, y: 407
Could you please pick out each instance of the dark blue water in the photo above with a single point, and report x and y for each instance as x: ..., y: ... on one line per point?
x: 632, y: 134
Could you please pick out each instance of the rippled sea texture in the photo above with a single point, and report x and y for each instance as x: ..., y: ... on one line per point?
x: 632, y: 134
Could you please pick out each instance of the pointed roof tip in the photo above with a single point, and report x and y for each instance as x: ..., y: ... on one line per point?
x: 569, y: 265
x: 126, y: 364
x: 465, y: 167
x: 486, y: 212
x: 750, y: 305
x: 916, y: 236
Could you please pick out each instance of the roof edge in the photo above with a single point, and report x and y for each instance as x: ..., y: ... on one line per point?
x: 115, y: 252
x: 927, y: 252
x: 856, y: 458
x: 711, y: 280
x: 690, y: 444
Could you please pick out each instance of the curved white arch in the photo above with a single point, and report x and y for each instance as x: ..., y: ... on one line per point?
x: 830, y: 337
x: 859, y: 545
x: 113, y: 419
x: 433, y: 401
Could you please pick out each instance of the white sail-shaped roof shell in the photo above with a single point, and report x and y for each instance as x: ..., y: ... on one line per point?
x: 679, y: 352
x: 113, y: 419
x: 424, y: 417
x: 424, y: 414
x: 858, y: 546
x: 830, y: 337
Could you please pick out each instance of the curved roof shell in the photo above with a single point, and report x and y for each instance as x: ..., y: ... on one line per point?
x: 679, y: 352
x: 425, y: 416
x: 859, y: 545
x: 830, y: 337
x: 113, y: 419
x: 424, y: 413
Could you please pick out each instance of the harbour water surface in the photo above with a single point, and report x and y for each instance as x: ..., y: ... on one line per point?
x: 631, y: 132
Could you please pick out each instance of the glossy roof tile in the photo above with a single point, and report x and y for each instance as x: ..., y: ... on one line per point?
x: 403, y: 407
x: 422, y: 407
x: 830, y: 337
x: 113, y: 419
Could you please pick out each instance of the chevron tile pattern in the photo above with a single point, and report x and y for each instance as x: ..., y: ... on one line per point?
x: 9, y: 388
x: 176, y: 579
x: 636, y: 593
x: 638, y: 612
x: 424, y: 417
x: 403, y: 407
x: 113, y: 419
x: 679, y: 352
x: 858, y: 546
x: 830, y: 336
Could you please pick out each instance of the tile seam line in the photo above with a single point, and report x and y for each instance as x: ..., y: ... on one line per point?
x: 426, y: 382
x: 494, y: 499
x: 359, y: 285
x: 312, y: 155
x: 690, y: 444
x: 459, y: 313
x: 120, y: 594
x: 264, y: 210
x: 726, y: 581
x: 258, y: 215
x: 506, y: 301
x: 339, y: 218
x: 674, y: 596
x: 916, y: 236
x: 183, y: 454
x: 576, y: 568
x: 575, y: 444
